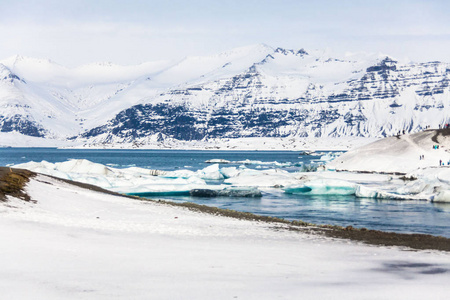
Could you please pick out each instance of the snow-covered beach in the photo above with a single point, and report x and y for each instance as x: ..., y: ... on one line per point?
x: 75, y: 243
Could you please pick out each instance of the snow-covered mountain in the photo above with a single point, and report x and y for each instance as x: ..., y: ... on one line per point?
x: 254, y: 91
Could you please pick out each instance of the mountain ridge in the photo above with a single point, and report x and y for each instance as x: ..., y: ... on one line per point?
x: 254, y: 91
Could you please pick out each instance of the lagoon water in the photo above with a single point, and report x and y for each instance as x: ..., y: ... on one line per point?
x: 344, y: 210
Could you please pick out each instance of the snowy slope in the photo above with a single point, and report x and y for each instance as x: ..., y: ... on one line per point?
x: 291, y: 94
x: 78, y: 244
x: 399, y: 153
x: 254, y: 91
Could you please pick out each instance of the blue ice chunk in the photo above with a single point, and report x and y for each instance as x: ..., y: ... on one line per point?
x: 322, y: 187
x: 160, y: 193
x: 246, y: 192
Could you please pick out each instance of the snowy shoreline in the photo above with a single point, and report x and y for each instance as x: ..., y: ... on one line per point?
x: 75, y: 243
x: 14, y: 139
x: 374, y: 237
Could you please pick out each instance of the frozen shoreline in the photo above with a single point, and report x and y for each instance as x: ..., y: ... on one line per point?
x: 8, y: 139
x: 101, y: 246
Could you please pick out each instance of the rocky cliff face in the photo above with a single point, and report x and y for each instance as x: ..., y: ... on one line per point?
x: 379, y: 100
x: 14, y: 113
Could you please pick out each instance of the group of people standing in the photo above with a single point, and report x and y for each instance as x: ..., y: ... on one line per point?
x: 441, y: 163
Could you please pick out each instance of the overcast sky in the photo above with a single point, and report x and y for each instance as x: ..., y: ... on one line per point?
x: 73, y: 32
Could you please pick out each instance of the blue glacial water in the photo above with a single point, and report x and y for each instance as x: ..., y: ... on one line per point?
x: 344, y: 210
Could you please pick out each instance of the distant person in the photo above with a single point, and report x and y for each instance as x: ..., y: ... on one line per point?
x: 440, y: 162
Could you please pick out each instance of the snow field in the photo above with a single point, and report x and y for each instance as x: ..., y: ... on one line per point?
x: 79, y: 244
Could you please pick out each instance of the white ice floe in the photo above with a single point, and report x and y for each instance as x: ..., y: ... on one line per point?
x: 427, y: 183
x: 322, y: 187
x: 218, y: 161
x: 442, y: 197
x: 75, y: 243
x: 210, y: 173
x: 248, y: 162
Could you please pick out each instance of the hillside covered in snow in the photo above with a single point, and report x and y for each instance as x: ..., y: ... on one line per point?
x: 399, y: 154
x: 249, y: 92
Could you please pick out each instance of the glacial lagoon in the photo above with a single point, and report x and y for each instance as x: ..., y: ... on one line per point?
x: 409, y: 216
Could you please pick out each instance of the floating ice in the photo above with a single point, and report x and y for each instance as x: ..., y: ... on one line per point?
x: 179, y: 174
x: 258, y: 162
x: 248, y: 192
x: 443, y: 196
x: 330, y: 156
x: 307, y: 153
x: 229, y: 172
x: 309, y: 168
x: 362, y: 191
x: 137, y: 170
x: 218, y: 161
x: 267, y: 178
x: 431, y: 184
x: 210, y: 173
x: 160, y: 193
x: 248, y: 162
x: 322, y: 187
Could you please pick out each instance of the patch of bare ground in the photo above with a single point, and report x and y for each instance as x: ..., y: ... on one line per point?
x: 12, y: 182
x: 443, y: 132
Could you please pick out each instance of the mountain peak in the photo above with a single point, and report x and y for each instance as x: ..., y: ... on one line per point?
x: 385, y: 64
x: 17, y: 59
x: 7, y: 74
x: 300, y: 52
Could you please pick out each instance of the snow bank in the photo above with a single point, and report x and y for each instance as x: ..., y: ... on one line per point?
x: 401, y: 154
x: 100, y: 246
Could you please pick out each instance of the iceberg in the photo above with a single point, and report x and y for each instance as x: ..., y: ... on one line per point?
x: 247, y: 192
x: 229, y: 172
x: 431, y: 184
x: 217, y: 161
x: 328, y: 157
x: 258, y: 162
x: 322, y: 187
x: 442, y: 197
x: 210, y: 173
x: 365, y: 192
x: 179, y: 174
x: 160, y: 193
x: 267, y: 179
